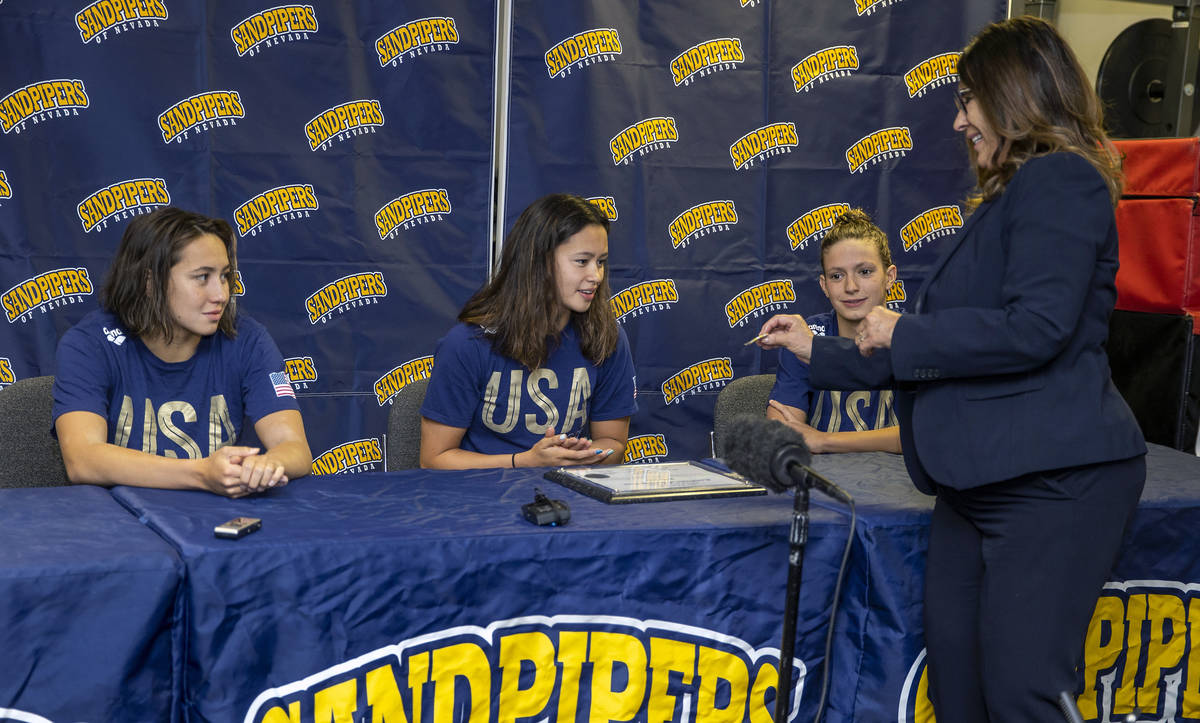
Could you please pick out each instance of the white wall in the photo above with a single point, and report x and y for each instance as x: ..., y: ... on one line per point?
x: 1091, y: 25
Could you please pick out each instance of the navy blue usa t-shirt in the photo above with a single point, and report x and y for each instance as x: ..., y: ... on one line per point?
x: 830, y: 410
x: 184, y: 409
x: 507, y: 408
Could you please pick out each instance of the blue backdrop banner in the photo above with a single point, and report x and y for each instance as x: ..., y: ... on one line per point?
x: 349, y: 144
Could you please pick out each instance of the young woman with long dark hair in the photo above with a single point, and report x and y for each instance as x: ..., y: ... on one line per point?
x: 537, y: 372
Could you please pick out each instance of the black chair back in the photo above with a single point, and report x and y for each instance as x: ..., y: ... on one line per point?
x: 404, y: 427
x: 32, y: 457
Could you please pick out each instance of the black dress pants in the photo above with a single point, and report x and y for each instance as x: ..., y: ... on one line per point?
x: 1012, y: 578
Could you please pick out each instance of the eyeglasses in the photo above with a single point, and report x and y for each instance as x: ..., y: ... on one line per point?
x: 962, y: 97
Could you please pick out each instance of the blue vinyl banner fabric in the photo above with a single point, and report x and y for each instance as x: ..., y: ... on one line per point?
x: 426, y: 593
x: 349, y: 145
x: 87, y: 611
x: 424, y: 596
x: 723, y: 139
x: 419, y: 595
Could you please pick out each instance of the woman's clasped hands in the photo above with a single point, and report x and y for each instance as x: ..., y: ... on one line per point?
x: 559, y: 450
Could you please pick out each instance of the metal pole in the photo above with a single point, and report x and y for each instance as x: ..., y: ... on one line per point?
x: 796, y: 541
x: 1181, y: 71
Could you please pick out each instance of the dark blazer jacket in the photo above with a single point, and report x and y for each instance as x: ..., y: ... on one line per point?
x: 1000, y: 370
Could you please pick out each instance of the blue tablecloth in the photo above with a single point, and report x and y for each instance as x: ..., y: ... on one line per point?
x: 87, y: 610
x: 350, y: 573
x: 426, y: 594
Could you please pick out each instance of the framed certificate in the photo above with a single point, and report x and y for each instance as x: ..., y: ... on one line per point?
x: 657, y: 482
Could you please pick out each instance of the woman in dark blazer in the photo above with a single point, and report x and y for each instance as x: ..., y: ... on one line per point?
x: 1006, y: 404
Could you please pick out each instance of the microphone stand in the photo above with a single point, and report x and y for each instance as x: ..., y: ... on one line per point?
x: 796, y: 541
x: 1067, y: 705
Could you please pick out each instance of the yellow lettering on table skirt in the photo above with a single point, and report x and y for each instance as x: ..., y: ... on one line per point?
x: 1125, y: 696
x: 767, y: 679
x: 1161, y: 654
x: 514, y: 703
x: 1191, y: 688
x: 467, y: 661
x: 607, y: 650
x: 1107, y: 621
x: 572, y: 651
x: 418, y: 676
x: 337, y: 702
x: 383, y: 696
x: 715, y: 666
x: 667, y: 656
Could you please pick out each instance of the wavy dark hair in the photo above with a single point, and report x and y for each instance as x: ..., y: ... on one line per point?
x: 136, y: 286
x: 1033, y: 93
x: 520, y: 303
x: 857, y: 223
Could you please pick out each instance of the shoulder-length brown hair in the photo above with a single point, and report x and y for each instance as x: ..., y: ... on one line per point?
x: 136, y: 286
x: 1035, y: 96
x: 520, y: 303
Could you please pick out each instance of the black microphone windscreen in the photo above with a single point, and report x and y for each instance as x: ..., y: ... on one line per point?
x: 751, y: 443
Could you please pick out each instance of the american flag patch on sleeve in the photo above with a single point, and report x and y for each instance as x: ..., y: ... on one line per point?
x: 282, y: 384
